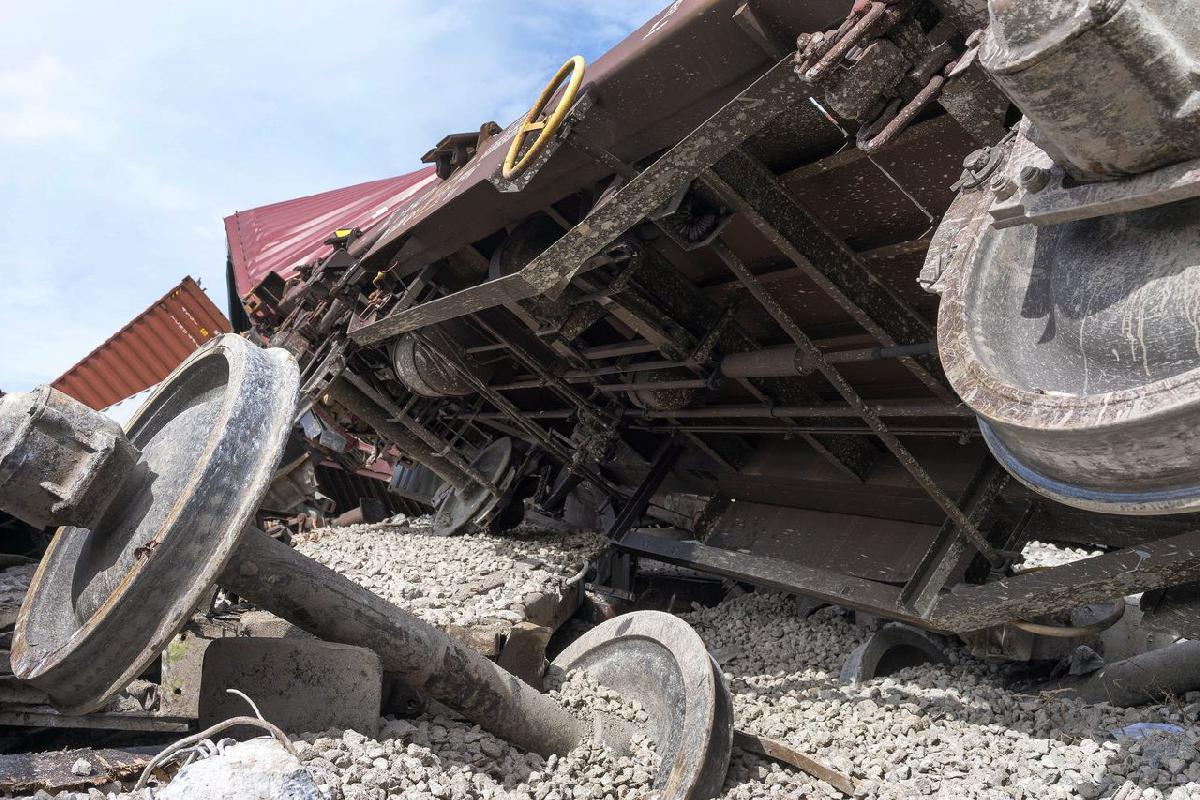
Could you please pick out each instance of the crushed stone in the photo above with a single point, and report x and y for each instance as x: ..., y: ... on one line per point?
x: 468, y: 580
x: 944, y: 731
x: 439, y: 756
x: 1041, y: 554
x: 939, y: 731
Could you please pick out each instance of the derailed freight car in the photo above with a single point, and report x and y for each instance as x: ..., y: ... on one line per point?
x: 692, y: 297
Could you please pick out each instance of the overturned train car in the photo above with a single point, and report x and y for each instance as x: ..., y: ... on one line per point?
x: 846, y: 300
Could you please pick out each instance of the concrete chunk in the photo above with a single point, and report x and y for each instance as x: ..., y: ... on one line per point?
x: 301, y: 685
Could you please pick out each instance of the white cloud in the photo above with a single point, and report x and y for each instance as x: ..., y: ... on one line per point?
x: 125, y: 137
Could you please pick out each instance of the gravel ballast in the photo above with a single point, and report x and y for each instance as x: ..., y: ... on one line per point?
x: 462, y: 580
x: 437, y: 756
x: 934, y: 731
x: 944, y: 731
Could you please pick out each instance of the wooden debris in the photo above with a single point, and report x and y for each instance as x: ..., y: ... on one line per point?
x: 26, y: 773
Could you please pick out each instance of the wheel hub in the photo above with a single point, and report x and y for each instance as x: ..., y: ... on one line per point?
x: 108, y: 597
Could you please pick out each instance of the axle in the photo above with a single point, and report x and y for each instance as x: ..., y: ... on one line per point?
x: 426, y: 660
x: 69, y: 642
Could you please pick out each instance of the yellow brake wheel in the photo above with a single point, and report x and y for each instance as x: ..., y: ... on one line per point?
x: 548, y: 127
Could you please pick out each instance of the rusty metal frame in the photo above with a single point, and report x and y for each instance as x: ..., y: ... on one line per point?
x: 720, y: 136
x: 546, y: 375
x: 436, y: 444
x: 1151, y: 565
x: 146, y: 350
x: 743, y: 182
x: 660, y: 467
x: 442, y: 344
x: 770, y: 572
x: 550, y: 273
x: 852, y: 398
x: 639, y: 305
x: 949, y: 552
x: 851, y: 458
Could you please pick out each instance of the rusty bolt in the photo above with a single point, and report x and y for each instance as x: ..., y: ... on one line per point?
x: 977, y: 159
x: 1033, y: 178
x: 1003, y: 187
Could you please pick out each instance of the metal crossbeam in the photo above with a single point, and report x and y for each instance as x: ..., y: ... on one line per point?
x: 673, y: 296
x: 439, y: 446
x: 949, y: 553
x: 773, y: 573
x: 1149, y: 565
x: 852, y: 398
x: 749, y: 112
x: 632, y: 511
x: 751, y: 189
x: 464, y: 364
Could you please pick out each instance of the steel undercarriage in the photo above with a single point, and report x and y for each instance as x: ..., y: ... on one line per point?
x: 685, y: 308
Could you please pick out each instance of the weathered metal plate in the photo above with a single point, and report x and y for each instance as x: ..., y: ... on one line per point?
x: 283, y: 236
x: 146, y: 350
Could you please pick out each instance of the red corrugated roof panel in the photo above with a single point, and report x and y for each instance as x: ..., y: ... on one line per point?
x: 146, y: 350
x: 283, y: 236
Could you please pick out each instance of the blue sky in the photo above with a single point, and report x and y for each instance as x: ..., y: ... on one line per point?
x: 129, y: 129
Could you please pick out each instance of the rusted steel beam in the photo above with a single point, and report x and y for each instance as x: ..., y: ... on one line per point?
x: 48, y: 717
x: 852, y: 398
x: 360, y: 405
x: 732, y: 459
x: 769, y: 96
x: 634, y: 348
x: 934, y: 128
x: 772, y: 573
x: 589, y: 375
x: 668, y: 311
x: 40, y: 774
x: 545, y: 372
x: 633, y: 509
x: 1149, y: 565
x: 446, y: 347
x: 786, y: 754
x: 421, y: 656
x: 792, y: 431
x: 884, y: 408
x: 436, y: 444
x: 787, y: 362
x: 750, y: 188
x: 708, y: 329
x: 771, y: 274
x: 949, y: 552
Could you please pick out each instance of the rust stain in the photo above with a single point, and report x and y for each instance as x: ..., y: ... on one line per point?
x: 146, y: 350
